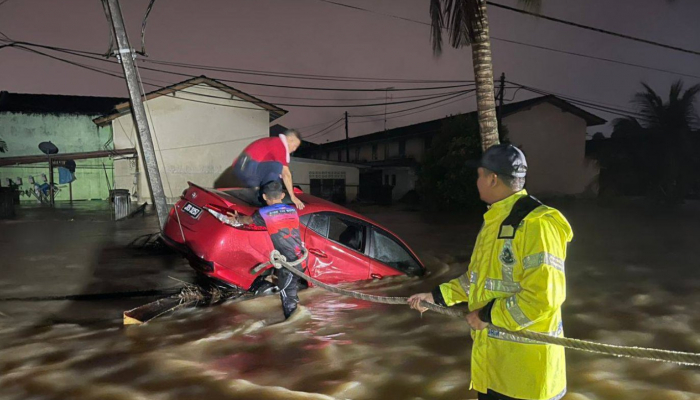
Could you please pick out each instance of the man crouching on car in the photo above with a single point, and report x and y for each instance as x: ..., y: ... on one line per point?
x: 282, y: 223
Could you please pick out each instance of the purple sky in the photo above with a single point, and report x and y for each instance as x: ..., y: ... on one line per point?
x: 313, y: 37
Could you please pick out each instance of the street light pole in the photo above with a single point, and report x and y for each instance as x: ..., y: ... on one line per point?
x: 138, y: 112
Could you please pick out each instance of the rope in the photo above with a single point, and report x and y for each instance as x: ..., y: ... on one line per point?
x: 677, y: 357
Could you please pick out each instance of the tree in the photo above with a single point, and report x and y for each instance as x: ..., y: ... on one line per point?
x: 467, y: 24
x: 445, y: 181
x: 660, y: 144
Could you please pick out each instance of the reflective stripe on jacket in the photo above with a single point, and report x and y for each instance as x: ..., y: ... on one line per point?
x: 525, y: 278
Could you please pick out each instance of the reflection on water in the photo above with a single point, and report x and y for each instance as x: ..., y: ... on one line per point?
x: 623, y: 289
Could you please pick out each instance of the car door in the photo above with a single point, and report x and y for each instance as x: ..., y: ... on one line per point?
x: 389, y: 256
x: 336, y: 245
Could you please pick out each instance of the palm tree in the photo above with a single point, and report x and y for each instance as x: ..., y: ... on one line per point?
x: 467, y: 24
x: 666, y: 128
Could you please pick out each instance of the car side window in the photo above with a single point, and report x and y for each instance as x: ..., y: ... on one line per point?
x: 346, y: 231
x: 318, y: 223
x: 389, y: 251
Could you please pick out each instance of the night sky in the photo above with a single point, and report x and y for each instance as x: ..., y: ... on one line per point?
x: 314, y: 37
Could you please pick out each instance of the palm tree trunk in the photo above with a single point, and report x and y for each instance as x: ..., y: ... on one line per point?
x: 483, y: 75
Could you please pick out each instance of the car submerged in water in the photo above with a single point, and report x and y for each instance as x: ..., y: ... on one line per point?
x: 343, y: 246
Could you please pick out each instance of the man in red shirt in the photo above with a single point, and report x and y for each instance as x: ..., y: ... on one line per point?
x: 267, y: 160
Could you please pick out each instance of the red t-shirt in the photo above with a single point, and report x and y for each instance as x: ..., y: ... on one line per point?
x: 268, y: 149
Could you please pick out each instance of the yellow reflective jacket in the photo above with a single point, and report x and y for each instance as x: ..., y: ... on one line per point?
x: 524, y: 276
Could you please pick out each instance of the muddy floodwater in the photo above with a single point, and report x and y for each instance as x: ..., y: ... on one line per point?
x: 633, y: 279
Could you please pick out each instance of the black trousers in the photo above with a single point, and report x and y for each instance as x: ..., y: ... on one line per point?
x: 491, y: 395
x: 288, y: 284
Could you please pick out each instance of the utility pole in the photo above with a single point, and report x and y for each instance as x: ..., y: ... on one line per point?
x: 386, y: 101
x: 347, y: 139
x: 138, y: 112
x: 501, y: 93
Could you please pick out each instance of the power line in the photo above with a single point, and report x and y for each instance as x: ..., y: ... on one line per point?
x: 610, y: 60
x: 416, y: 112
x: 500, y: 39
x: 588, y: 104
x: 327, y: 129
x: 84, y: 54
x: 594, y: 29
x: 96, y: 56
x: 414, y: 108
x: 302, y: 76
x: 224, y: 105
x: 431, y: 97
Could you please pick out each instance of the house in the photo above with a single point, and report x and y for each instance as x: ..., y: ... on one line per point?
x: 198, y: 128
x: 549, y: 130
x: 29, y: 119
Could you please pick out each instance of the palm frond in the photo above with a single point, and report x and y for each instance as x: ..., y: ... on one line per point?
x: 687, y: 104
x: 461, y: 18
x: 437, y: 24
x: 649, y: 103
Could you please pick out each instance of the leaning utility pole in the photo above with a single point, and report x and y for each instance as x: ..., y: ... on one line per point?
x: 138, y: 112
x: 347, y: 139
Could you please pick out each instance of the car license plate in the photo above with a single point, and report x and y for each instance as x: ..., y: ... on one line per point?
x: 192, y: 210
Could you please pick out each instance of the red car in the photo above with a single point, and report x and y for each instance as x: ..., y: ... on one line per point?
x: 343, y: 246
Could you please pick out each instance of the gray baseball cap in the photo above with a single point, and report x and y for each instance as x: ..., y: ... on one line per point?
x: 503, y: 159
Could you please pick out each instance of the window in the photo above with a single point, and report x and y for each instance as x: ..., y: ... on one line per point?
x: 374, y: 152
x: 389, y: 251
x: 328, y: 185
x: 318, y: 223
x: 402, y: 148
x: 346, y: 232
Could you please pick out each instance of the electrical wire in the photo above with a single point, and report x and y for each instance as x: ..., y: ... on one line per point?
x: 500, y: 39
x: 331, y: 126
x: 143, y: 27
x: 594, y: 29
x: 302, y: 76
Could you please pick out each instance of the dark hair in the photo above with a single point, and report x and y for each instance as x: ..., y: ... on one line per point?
x: 514, y: 183
x: 293, y: 132
x: 273, y: 190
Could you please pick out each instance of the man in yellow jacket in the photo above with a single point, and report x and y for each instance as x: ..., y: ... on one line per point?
x: 515, y: 281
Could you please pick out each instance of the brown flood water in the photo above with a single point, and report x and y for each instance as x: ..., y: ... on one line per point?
x: 633, y: 279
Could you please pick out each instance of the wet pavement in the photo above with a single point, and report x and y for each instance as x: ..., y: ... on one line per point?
x: 632, y: 276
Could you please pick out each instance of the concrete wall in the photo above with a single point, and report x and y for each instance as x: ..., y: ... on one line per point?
x: 303, y: 168
x: 415, y: 148
x: 194, y: 141
x: 554, y: 143
x: 405, y: 180
x: 71, y: 134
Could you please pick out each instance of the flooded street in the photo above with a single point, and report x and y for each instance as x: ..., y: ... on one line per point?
x: 632, y: 276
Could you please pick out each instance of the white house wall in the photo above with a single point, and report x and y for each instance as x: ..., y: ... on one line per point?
x: 194, y: 141
x: 303, y: 168
x: 554, y: 142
